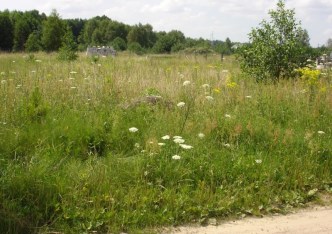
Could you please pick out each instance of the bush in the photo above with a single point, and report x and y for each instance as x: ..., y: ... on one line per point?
x: 277, y: 48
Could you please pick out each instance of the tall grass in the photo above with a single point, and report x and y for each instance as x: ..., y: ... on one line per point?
x: 70, y: 164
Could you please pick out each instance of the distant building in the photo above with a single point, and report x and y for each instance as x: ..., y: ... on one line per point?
x: 103, y: 51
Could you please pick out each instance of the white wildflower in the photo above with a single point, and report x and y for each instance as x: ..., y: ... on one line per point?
x: 133, y: 129
x: 184, y: 146
x: 248, y: 96
x: 3, y: 81
x: 176, y: 157
x: 166, y: 137
x: 161, y: 144
x: 73, y: 72
x: 206, y: 86
x: 179, y: 140
x: 226, y: 145
x: 258, y: 161
x: 3, y: 73
x: 137, y: 145
x: 38, y: 61
x: 186, y: 83
x: 321, y: 132
x: 209, y: 98
x: 73, y: 87
x: 181, y: 104
x: 201, y: 135
x: 228, y: 116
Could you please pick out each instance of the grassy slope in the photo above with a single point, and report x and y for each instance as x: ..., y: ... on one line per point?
x: 69, y: 163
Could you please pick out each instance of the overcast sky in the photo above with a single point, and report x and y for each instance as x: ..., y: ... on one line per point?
x: 210, y: 19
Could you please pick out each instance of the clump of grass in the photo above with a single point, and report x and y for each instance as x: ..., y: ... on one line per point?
x: 74, y: 157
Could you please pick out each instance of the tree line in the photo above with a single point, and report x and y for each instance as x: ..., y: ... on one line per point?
x: 32, y: 31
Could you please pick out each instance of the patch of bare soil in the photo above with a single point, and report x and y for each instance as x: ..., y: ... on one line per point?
x: 315, y: 219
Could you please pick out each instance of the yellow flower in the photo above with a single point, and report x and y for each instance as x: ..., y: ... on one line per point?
x: 217, y: 90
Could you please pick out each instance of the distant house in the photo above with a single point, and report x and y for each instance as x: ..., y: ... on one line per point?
x: 102, y: 51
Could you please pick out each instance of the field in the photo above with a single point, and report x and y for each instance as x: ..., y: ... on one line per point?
x: 134, y: 143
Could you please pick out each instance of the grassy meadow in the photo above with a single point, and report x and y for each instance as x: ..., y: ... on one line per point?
x: 134, y: 143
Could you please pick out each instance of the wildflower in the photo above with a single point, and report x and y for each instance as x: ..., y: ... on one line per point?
x: 186, y: 83
x: 258, y: 161
x: 18, y: 86
x: 224, y: 71
x: 73, y: 87
x: 137, y: 145
x: 133, y: 129
x: 181, y: 75
x: 184, y: 146
x: 3, y: 81
x: 321, y: 132
x: 99, y: 65
x: 33, y: 71
x: 14, y: 61
x: 37, y: 60
x: 231, y: 84
x: 3, y: 73
x: 166, y: 137
x: 179, y: 140
x: 228, y: 116
x: 181, y: 104
x: 12, y: 72
x: 248, y: 97
x: 161, y: 144
x: 209, y: 98
x: 226, y: 145
x: 216, y: 90
x: 206, y: 86
x: 71, y: 78
x: 176, y: 157
x: 73, y: 72
x: 201, y: 135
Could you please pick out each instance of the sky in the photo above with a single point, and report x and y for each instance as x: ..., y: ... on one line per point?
x: 209, y: 19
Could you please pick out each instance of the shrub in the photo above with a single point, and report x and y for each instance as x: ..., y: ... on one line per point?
x: 276, y: 48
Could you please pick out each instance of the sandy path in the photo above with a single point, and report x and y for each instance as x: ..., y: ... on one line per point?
x: 316, y: 220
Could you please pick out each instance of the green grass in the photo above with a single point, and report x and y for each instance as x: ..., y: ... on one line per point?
x: 69, y: 163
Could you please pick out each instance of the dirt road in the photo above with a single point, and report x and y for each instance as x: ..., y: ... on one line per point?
x: 317, y: 220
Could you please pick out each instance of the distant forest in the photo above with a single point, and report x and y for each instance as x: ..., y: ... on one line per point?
x: 31, y: 31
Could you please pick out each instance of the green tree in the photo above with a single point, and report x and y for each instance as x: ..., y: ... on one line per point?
x: 142, y: 34
x: 68, y: 49
x: 119, y: 44
x: 6, y: 31
x: 276, y: 48
x: 33, y: 43
x: 135, y: 47
x: 52, y: 33
x: 169, y: 42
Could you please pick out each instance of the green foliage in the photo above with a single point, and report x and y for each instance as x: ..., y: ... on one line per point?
x: 135, y: 47
x: 276, y: 48
x: 170, y: 42
x: 142, y: 34
x: 119, y: 44
x: 52, y: 33
x: 6, y: 28
x: 33, y: 43
x: 68, y: 50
